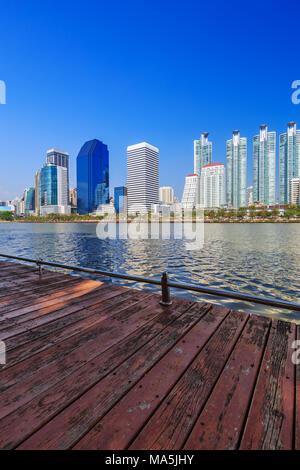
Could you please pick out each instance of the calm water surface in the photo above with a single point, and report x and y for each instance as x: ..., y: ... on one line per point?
x: 262, y: 259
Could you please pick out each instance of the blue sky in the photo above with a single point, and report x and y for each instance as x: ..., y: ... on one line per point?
x: 132, y: 71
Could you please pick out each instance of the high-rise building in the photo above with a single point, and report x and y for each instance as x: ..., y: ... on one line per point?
x: 236, y: 159
x: 120, y: 199
x: 53, y: 184
x: 264, y: 163
x: 59, y: 158
x: 73, y: 197
x: 92, y: 176
x: 29, y: 201
x: 295, y: 191
x: 289, y: 160
x: 190, y: 197
x: 212, y: 186
x: 202, y: 153
x: 249, y: 196
x: 166, y: 195
x: 142, y: 177
x: 37, y: 192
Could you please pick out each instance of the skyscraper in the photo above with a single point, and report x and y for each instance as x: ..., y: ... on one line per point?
x: 92, y: 176
x: 202, y: 153
x: 212, y: 186
x: 236, y: 159
x: 249, y: 195
x: 29, y: 201
x: 142, y: 177
x: 190, y: 197
x: 264, y: 163
x: 295, y: 191
x: 59, y: 158
x: 120, y: 199
x: 53, y: 184
x: 37, y: 192
x: 166, y: 195
x: 289, y: 160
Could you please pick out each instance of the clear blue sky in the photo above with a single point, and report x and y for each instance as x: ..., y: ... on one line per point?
x: 129, y: 71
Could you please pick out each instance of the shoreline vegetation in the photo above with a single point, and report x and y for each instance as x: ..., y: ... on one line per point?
x: 251, y: 214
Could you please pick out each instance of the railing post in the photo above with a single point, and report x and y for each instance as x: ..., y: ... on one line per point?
x: 39, y: 268
x: 165, y: 291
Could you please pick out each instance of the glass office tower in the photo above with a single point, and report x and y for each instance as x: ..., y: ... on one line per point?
x: 236, y: 159
x: 59, y: 158
x: 29, y: 201
x: 92, y: 176
x: 53, y: 186
x: 264, y: 158
x: 120, y: 199
x: 289, y: 161
x: 202, y: 153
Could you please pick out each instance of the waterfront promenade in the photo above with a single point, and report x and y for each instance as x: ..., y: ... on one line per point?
x: 91, y: 365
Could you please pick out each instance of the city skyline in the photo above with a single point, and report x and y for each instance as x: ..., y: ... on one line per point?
x: 266, y: 180
x: 118, y: 77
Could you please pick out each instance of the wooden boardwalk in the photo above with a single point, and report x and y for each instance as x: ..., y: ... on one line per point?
x: 97, y: 366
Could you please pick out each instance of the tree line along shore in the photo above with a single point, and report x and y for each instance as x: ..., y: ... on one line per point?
x: 250, y: 214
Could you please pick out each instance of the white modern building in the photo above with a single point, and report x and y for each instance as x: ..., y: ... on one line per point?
x: 190, y: 198
x: 202, y: 153
x: 264, y: 164
x: 212, y: 186
x: 236, y: 160
x: 295, y: 191
x: 249, y: 195
x: 166, y: 195
x: 289, y: 160
x: 142, y: 177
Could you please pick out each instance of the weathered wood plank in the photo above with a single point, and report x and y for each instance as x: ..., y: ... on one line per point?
x: 269, y: 424
x: 38, y: 411
x: 118, y: 428
x: 22, y: 298
x: 296, y: 361
x: 34, y: 283
x: 11, y: 320
x: 171, y: 424
x: 220, y: 423
x: 84, y: 338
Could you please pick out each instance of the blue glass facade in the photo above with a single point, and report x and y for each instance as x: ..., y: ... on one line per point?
x: 92, y: 176
x: 48, y: 186
x: 30, y: 201
x: 119, y: 195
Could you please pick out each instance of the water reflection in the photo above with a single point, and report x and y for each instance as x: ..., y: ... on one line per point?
x: 262, y: 259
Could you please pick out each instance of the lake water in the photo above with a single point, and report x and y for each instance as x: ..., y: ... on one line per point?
x: 262, y: 259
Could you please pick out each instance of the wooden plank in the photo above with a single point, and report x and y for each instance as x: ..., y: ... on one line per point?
x: 82, y: 336
x: 171, y: 424
x: 296, y: 360
x: 269, y: 424
x: 11, y: 320
x: 44, y: 407
x: 220, y: 423
x: 65, y: 328
x: 48, y: 311
x: 22, y: 298
x: 120, y: 425
x: 34, y: 283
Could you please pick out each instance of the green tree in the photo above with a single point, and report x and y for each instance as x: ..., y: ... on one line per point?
x: 6, y: 215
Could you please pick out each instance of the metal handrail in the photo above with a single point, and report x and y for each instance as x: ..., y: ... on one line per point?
x: 165, y: 284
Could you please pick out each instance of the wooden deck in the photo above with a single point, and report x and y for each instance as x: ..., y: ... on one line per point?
x: 96, y: 366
